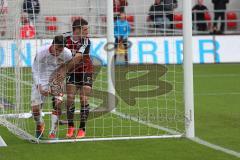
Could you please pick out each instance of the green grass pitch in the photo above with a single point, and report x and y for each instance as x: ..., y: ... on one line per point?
x: 217, y: 119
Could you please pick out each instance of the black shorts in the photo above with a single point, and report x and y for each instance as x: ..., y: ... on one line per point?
x: 81, y: 79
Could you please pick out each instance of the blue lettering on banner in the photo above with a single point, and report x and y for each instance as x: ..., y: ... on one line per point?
x: 1, y: 56
x: 179, y: 51
x: 150, y: 50
x: 96, y: 52
x: 130, y: 54
x: 166, y: 51
x: 202, y: 50
x: 142, y: 52
x: 25, y: 58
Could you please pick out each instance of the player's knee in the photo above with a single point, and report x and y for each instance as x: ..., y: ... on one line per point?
x: 86, y: 90
x: 70, y: 97
x: 36, y: 111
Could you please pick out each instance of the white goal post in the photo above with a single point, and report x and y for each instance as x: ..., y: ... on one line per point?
x: 188, y: 68
x: 150, y: 97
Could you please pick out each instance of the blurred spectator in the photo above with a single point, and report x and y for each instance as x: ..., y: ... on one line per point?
x: 156, y: 14
x: 169, y: 6
x: 32, y: 8
x: 3, y: 17
x: 27, y: 31
x: 215, y: 31
x: 119, y: 5
x: 121, y: 32
x: 219, y: 12
x: 199, y: 11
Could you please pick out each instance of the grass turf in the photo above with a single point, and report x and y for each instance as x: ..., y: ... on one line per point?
x: 217, y: 120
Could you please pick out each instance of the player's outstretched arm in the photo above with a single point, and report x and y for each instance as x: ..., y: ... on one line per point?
x: 57, y: 78
x: 71, y: 65
x: 79, y: 56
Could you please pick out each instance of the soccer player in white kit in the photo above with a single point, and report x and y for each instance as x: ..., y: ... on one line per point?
x: 47, y: 60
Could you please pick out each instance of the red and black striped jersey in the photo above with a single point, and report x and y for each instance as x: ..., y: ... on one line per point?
x: 81, y: 46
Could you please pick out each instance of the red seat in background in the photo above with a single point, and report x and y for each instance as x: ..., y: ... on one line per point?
x: 177, y: 20
x: 27, y: 31
x: 51, y: 23
x: 231, y: 20
x: 207, y: 16
x: 130, y: 19
x: 208, y: 19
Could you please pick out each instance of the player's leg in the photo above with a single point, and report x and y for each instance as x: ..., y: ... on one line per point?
x: 115, y: 49
x: 36, y: 103
x: 37, y: 116
x: 84, y: 112
x: 222, y: 16
x: 84, y: 94
x: 216, y: 17
x: 125, y: 44
x: 56, y: 112
x: 71, y: 91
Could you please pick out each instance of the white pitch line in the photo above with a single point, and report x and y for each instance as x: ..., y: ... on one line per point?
x: 135, y: 119
x: 217, y: 93
x: 196, y: 139
x: 216, y: 75
x: 216, y: 147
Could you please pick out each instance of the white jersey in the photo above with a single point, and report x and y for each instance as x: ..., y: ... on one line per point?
x: 44, y: 64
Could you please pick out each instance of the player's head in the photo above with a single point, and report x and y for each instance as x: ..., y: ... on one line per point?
x: 57, y: 45
x: 122, y: 16
x: 200, y: 2
x: 157, y: 1
x: 80, y: 28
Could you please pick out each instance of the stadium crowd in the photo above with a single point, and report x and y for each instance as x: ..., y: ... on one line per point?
x: 162, y: 16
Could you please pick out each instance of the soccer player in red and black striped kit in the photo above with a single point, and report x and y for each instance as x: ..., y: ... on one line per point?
x: 80, y: 81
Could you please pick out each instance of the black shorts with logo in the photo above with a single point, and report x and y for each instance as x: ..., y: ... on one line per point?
x: 81, y: 79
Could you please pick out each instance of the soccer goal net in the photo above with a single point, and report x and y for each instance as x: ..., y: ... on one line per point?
x: 138, y: 88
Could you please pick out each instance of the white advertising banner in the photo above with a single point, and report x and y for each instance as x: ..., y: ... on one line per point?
x: 160, y: 50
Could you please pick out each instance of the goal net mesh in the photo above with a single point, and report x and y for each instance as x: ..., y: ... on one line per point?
x: 148, y: 84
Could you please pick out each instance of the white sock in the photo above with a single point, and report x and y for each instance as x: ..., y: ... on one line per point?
x: 54, y: 122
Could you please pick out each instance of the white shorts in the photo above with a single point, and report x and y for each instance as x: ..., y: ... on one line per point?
x: 36, y: 97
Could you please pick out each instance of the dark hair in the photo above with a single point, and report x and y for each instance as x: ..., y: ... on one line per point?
x: 59, y: 40
x: 78, y: 23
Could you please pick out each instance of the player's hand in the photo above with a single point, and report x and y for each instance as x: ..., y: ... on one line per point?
x: 78, y: 57
x: 58, y: 99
